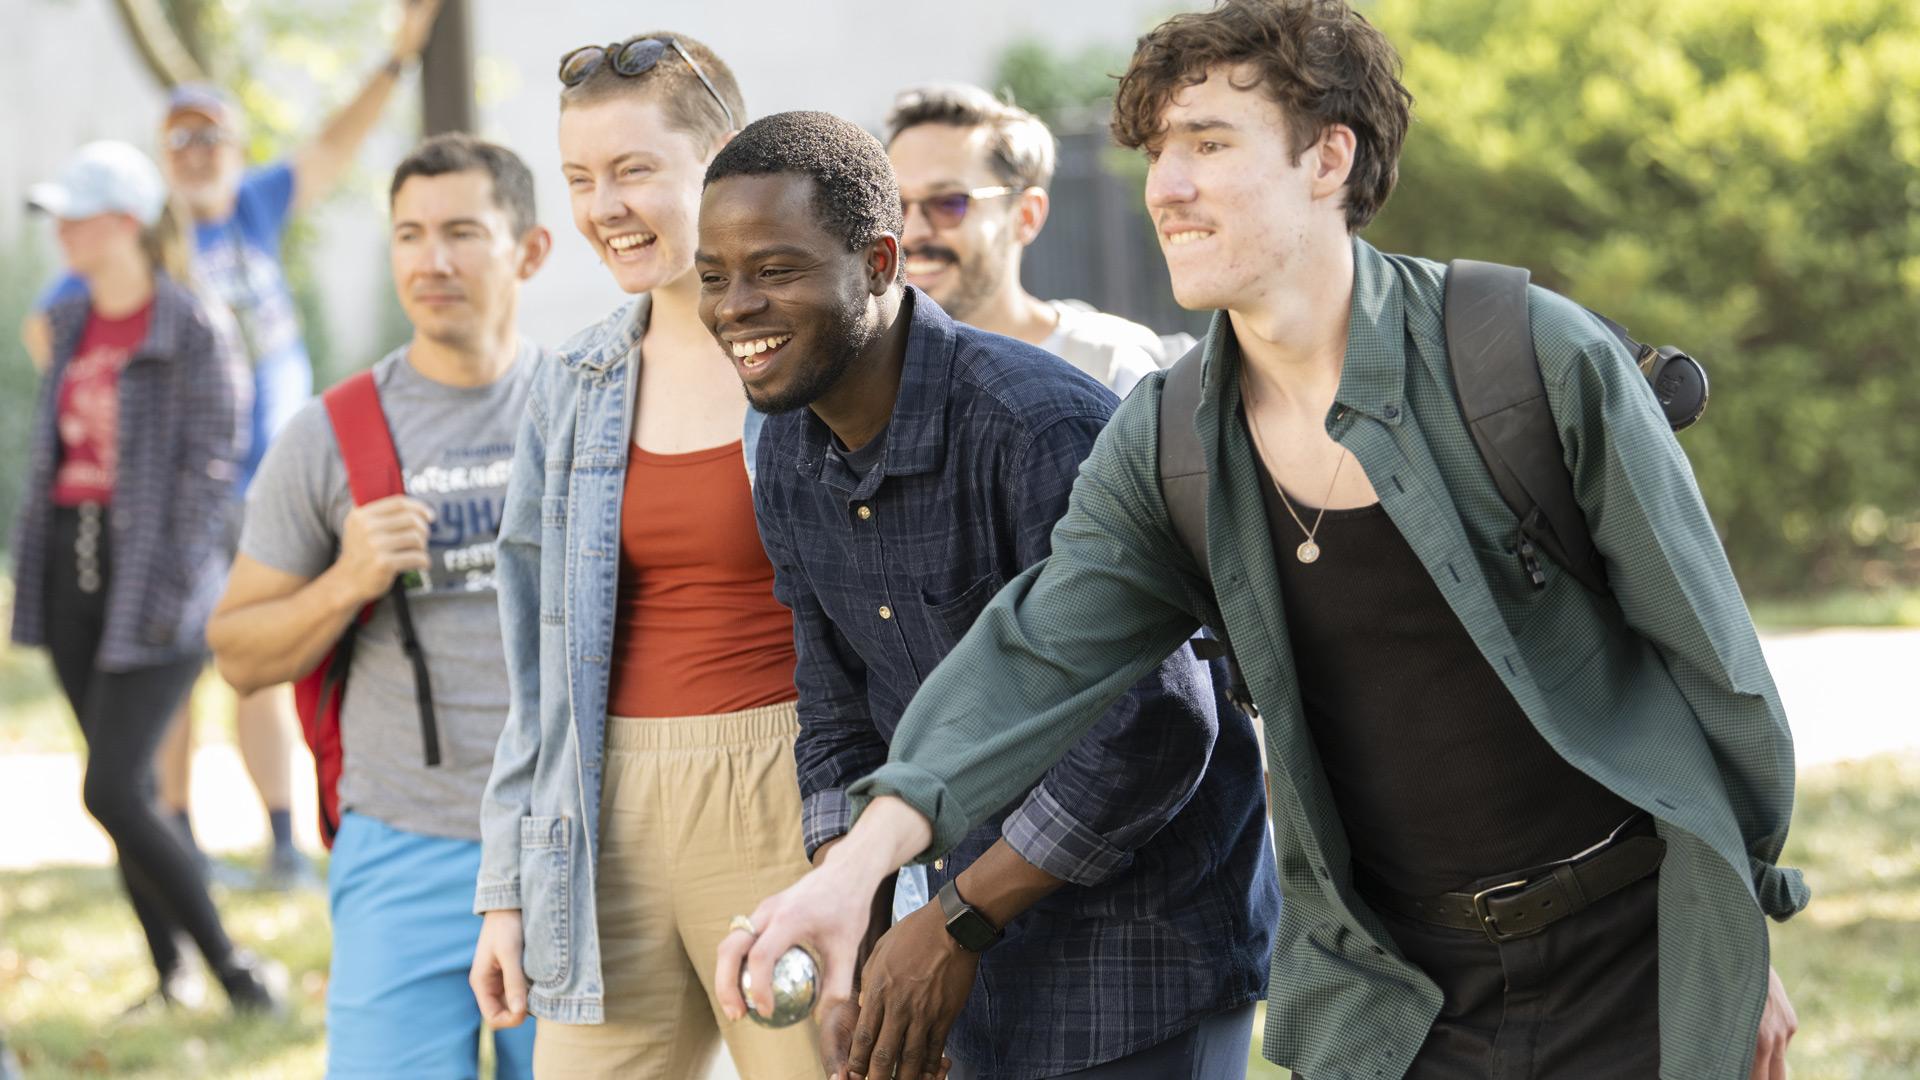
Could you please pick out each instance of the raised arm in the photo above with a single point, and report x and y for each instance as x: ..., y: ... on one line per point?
x: 318, y: 165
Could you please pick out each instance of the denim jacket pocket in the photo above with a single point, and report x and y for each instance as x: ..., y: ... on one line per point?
x: 545, y: 895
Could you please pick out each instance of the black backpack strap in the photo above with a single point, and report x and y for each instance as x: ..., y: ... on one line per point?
x: 417, y: 659
x: 1183, y: 487
x: 1504, y: 402
x: 1183, y: 464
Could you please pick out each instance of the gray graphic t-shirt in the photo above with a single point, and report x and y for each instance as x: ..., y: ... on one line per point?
x: 455, y: 446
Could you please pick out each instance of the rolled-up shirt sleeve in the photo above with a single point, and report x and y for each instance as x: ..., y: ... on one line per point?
x: 1124, y: 780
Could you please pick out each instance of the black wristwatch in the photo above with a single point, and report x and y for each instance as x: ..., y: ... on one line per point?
x: 972, y: 930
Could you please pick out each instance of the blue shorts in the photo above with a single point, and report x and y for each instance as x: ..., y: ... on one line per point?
x: 398, y: 1003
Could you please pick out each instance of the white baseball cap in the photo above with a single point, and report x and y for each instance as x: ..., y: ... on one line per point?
x: 103, y: 178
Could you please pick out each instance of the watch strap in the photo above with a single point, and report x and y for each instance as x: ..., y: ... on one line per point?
x: 973, y: 931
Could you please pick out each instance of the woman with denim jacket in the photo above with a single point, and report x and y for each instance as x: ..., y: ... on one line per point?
x: 121, y: 547
x: 644, y: 787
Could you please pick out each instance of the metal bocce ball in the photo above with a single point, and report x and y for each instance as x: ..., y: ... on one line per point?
x: 795, y: 988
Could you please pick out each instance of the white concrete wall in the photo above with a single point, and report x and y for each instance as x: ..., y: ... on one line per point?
x: 844, y: 56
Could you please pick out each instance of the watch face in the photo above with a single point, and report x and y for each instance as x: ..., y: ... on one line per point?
x: 972, y: 930
x: 969, y: 929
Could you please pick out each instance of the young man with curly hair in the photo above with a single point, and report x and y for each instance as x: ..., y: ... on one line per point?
x: 1459, y: 753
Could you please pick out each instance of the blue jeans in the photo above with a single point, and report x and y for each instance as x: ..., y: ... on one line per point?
x: 281, y: 385
x: 398, y: 1003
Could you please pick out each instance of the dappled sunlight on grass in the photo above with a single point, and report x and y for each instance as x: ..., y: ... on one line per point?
x: 1852, y: 960
x: 72, y: 959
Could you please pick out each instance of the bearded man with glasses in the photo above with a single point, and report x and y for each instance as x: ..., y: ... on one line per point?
x: 973, y: 174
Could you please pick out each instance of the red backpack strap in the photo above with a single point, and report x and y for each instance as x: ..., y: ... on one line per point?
x: 373, y: 472
x: 366, y: 446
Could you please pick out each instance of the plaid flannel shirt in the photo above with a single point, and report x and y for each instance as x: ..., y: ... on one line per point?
x: 1659, y: 690
x: 185, y: 398
x: 1154, y: 816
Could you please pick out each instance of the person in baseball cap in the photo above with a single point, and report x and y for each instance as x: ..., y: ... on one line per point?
x: 118, y: 554
x: 239, y: 215
x: 103, y: 178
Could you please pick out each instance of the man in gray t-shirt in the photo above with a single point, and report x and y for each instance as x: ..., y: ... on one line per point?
x: 455, y: 445
x: 408, y: 845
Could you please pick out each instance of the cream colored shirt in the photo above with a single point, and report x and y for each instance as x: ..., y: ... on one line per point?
x: 1109, y: 348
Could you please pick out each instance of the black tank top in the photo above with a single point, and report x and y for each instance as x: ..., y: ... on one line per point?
x: 1439, y: 777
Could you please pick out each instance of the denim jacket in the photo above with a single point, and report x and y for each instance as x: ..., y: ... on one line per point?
x: 558, y: 559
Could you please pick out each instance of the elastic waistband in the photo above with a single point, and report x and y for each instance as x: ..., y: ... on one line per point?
x: 702, y: 732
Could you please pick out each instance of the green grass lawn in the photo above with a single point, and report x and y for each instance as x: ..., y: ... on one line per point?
x: 71, y: 956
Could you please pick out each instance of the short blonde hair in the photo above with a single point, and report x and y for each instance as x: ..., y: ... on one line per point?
x: 688, y: 106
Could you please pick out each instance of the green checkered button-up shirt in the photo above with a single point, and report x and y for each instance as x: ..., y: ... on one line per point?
x: 1659, y: 691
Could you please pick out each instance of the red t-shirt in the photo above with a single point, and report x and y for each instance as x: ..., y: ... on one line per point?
x: 88, y: 408
x: 696, y: 628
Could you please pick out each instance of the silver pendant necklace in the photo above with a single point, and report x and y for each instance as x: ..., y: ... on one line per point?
x: 1308, y: 551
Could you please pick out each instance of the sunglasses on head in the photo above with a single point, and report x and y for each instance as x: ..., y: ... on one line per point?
x: 631, y: 58
x: 946, y: 211
x: 181, y: 138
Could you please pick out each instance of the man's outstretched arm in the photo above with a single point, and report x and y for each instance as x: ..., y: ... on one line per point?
x: 1051, y: 653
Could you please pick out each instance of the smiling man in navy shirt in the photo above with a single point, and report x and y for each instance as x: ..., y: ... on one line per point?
x: 1118, y: 916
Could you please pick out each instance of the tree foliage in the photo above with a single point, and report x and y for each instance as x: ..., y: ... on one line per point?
x: 1740, y: 177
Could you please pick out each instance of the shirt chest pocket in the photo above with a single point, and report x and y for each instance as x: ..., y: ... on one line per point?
x: 951, y: 610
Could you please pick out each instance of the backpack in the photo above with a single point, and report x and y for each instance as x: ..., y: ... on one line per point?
x: 1504, y: 402
x: 373, y: 472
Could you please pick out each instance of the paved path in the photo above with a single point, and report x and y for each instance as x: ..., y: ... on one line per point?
x: 1849, y: 693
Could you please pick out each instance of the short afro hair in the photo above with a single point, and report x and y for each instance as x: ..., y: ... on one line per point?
x: 855, y: 196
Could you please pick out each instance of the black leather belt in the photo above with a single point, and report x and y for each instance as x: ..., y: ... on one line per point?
x: 1535, y: 899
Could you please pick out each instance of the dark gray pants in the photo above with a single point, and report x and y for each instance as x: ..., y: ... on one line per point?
x: 1578, y: 1001
x: 1214, y: 1049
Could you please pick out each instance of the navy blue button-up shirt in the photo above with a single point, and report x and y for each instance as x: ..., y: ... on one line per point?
x: 1154, y: 817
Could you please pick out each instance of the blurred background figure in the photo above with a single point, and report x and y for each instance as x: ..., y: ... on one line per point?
x: 973, y: 174
x: 121, y: 546
x: 240, y: 215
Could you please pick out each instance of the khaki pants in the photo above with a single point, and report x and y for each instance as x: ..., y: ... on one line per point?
x: 699, y: 821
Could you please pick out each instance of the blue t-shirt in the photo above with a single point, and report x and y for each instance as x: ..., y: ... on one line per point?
x: 238, y: 259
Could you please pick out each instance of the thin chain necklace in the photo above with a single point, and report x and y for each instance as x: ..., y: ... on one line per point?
x: 1307, y: 551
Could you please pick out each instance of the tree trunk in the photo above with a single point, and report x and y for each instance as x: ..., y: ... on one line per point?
x: 159, y: 46
x: 446, y: 72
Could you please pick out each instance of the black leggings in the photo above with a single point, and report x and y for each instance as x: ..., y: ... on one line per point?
x: 123, y: 715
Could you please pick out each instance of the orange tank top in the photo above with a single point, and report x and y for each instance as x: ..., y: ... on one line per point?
x: 696, y: 627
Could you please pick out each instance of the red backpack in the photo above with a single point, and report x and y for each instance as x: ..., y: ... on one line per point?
x: 373, y: 472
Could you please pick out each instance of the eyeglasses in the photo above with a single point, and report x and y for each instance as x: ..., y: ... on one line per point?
x: 632, y: 58
x: 947, y: 211
x: 181, y: 138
